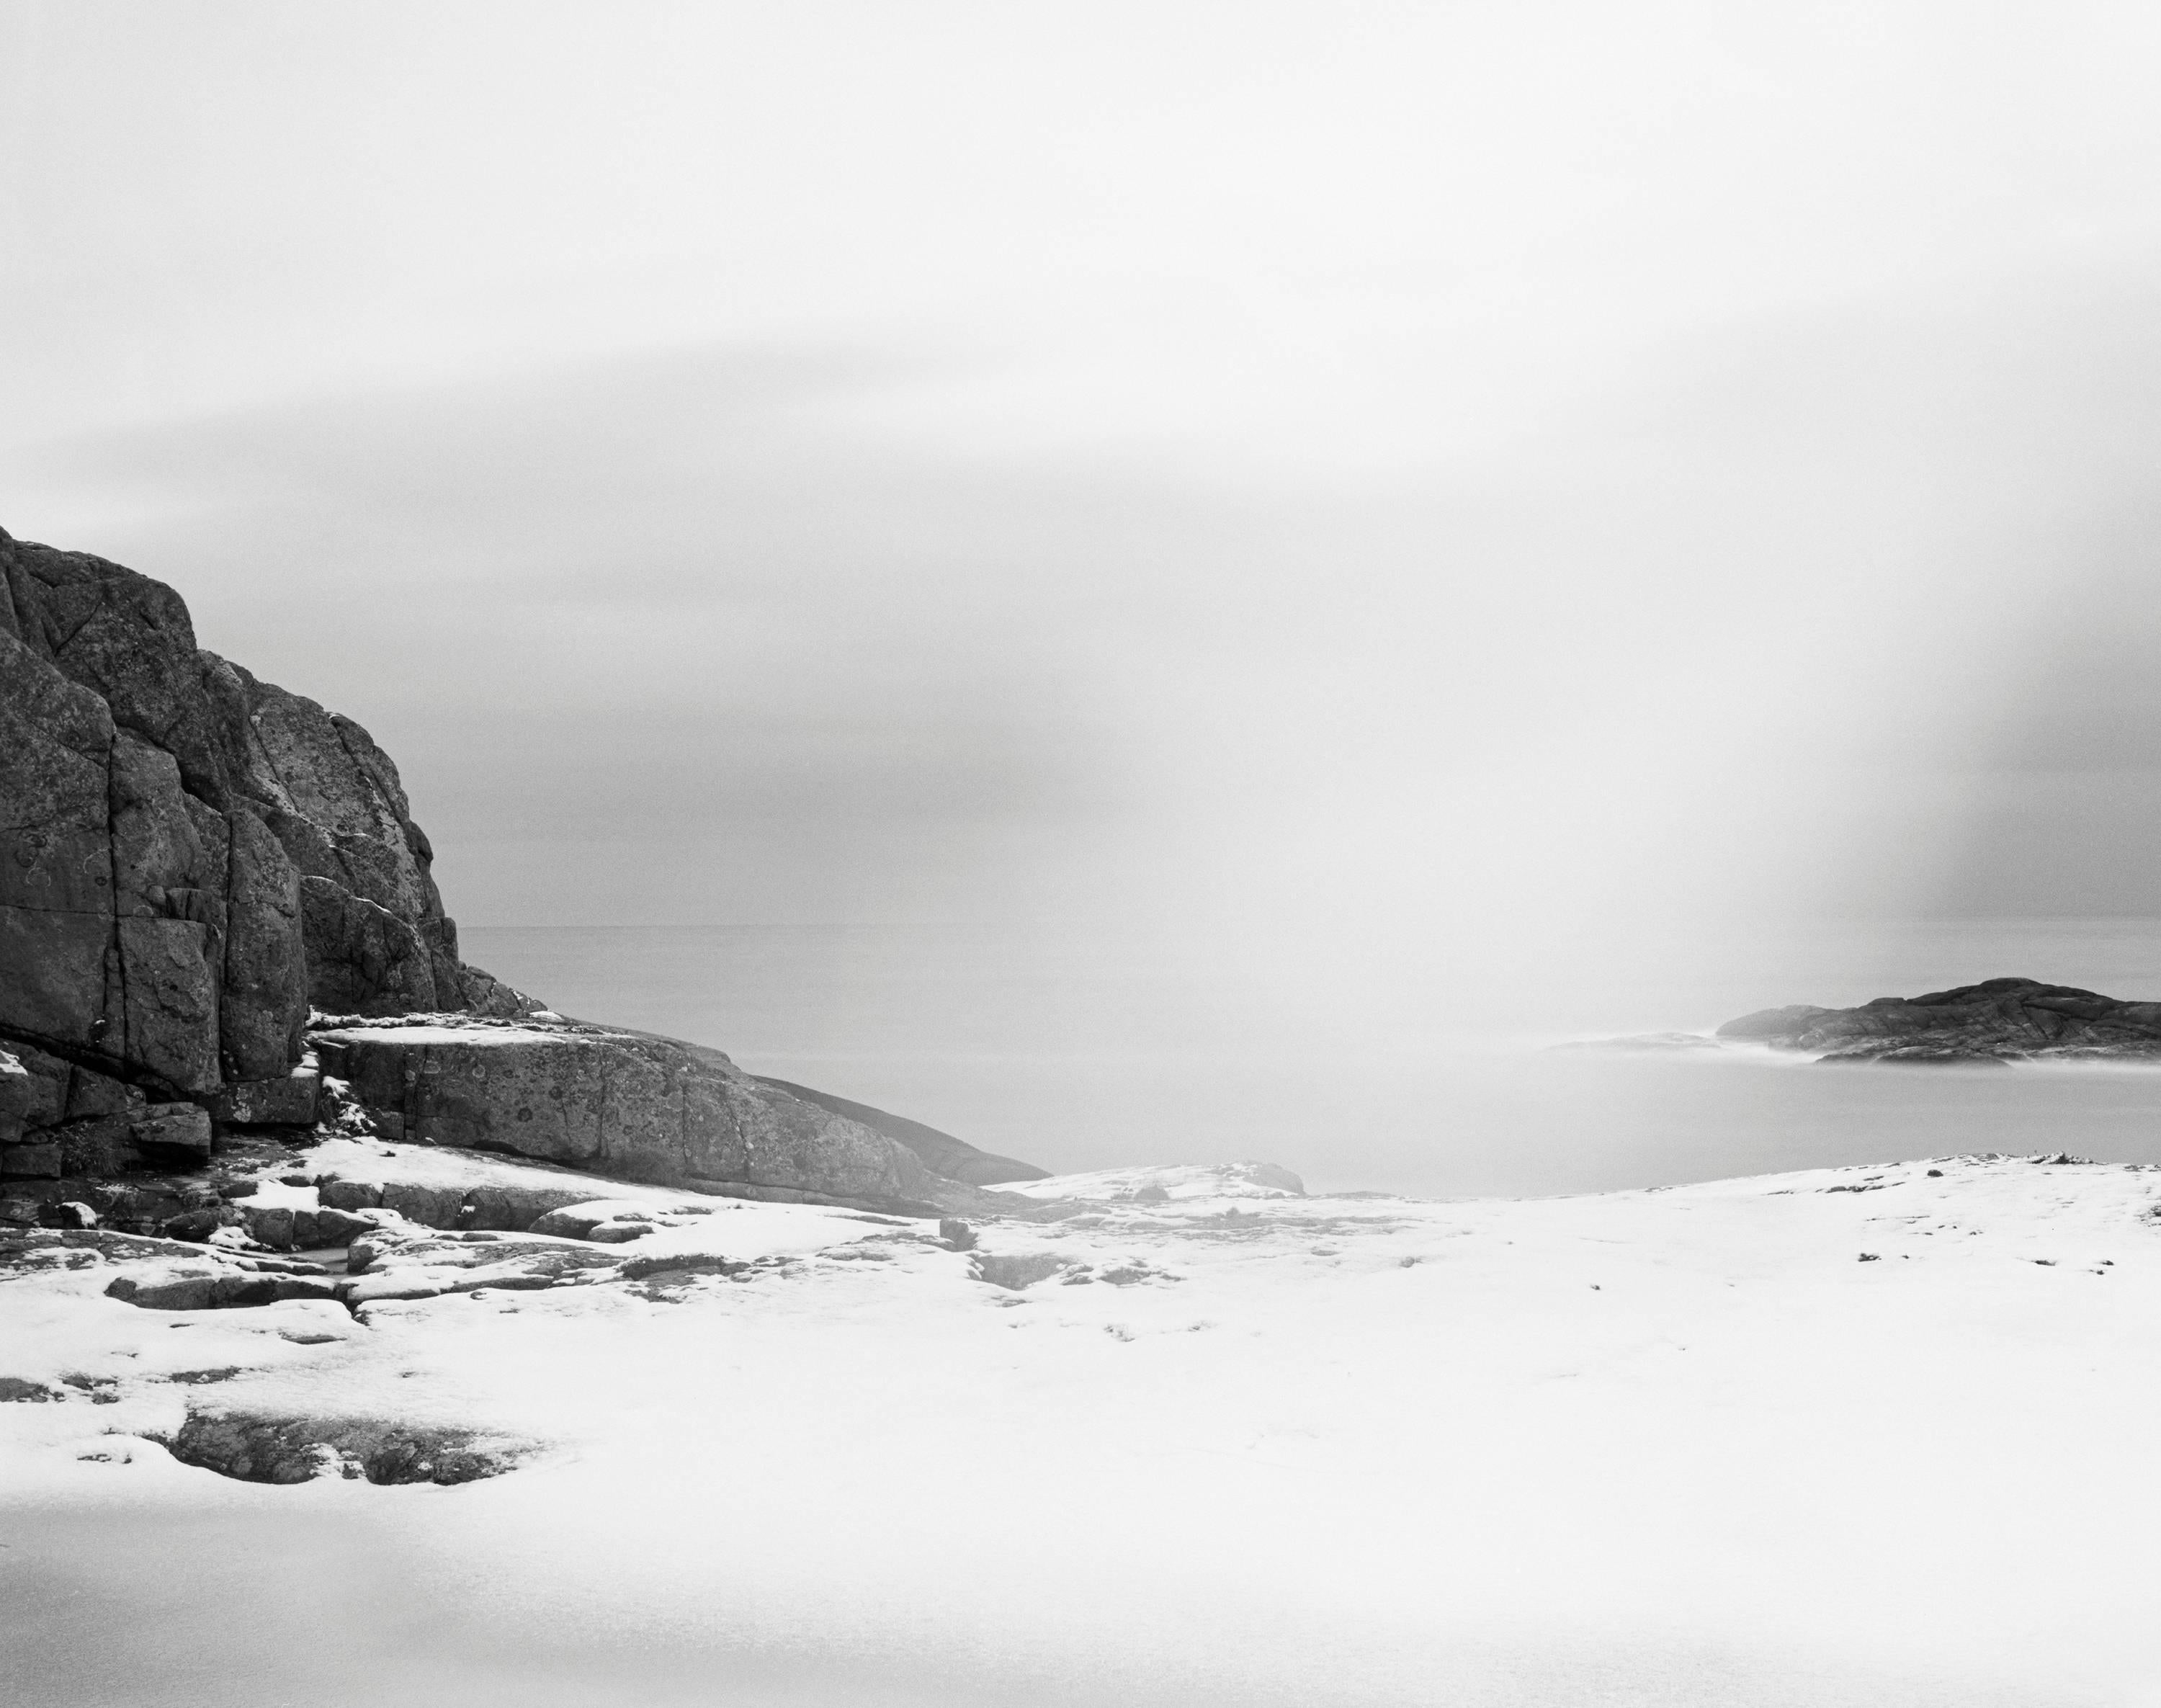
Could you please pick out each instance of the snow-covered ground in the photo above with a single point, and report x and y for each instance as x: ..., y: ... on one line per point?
x: 1869, y: 1436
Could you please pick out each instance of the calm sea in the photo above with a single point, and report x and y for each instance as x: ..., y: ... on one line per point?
x: 1078, y: 1051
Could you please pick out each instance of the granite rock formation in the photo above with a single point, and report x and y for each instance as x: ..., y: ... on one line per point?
x: 190, y: 857
x: 1998, y: 1020
x: 196, y: 867
x: 626, y: 1104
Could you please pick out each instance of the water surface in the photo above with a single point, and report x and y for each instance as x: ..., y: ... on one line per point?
x: 1082, y: 1050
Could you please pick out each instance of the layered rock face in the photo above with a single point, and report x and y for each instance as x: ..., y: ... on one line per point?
x: 1996, y: 1020
x: 189, y: 857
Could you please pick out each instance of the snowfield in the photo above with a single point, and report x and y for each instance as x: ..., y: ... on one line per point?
x: 1870, y: 1436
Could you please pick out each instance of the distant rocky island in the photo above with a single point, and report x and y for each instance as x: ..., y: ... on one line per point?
x: 2000, y: 1019
x: 218, y: 923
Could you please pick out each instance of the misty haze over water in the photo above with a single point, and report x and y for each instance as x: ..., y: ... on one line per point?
x: 1077, y: 1050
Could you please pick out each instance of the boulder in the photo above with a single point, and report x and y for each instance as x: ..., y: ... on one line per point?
x: 290, y: 1100
x: 486, y: 994
x: 349, y: 1194
x: 431, y: 1206
x: 517, y: 1209
x: 133, y: 1209
x: 197, y: 1225
x: 572, y: 1221
x: 175, y: 1126
x: 271, y: 1225
x: 336, y: 1227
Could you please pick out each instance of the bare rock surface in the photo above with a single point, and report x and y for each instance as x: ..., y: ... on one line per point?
x: 625, y: 1105
x: 943, y: 1154
x: 1997, y: 1020
x: 289, y: 1450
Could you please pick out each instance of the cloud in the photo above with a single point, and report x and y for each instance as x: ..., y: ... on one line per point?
x: 750, y: 631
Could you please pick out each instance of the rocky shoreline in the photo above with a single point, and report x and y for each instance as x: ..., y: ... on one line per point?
x: 1998, y: 1020
x: 1993, y: 1023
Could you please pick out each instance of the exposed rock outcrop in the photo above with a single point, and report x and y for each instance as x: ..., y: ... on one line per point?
x: 289, y: 1450
x: 189, y: 857
x: 623, y: 1104
x: 940, y: 1152
x: 1999, y: 1019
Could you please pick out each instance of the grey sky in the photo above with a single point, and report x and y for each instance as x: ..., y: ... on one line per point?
x: 1361, y: 487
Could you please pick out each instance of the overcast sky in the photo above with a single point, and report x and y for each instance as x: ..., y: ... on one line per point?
x: 1378, y: 485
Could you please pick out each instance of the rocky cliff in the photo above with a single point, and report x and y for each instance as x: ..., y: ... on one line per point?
x: 189, y: 857
x: 193, y: 861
